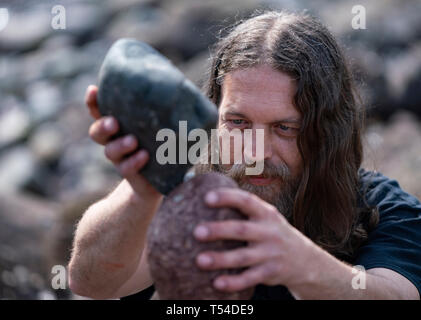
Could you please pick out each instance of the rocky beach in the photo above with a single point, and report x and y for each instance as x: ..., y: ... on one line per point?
x: 50, y: 170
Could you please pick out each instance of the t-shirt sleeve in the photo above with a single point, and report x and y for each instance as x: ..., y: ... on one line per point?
x: 145, y: 294
x: 396, y: 241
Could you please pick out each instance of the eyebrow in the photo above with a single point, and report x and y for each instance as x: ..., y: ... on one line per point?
x: 285, y: 120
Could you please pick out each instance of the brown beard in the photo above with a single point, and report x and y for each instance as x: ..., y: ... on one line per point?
x: 280, y: 193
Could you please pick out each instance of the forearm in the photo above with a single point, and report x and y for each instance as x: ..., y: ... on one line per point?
x: 330, y: 278
x: 109, y: 241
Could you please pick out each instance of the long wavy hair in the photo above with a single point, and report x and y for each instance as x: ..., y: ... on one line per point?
x: 326, y: 203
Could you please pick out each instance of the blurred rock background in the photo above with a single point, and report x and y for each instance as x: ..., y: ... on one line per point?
x: 50, y: 171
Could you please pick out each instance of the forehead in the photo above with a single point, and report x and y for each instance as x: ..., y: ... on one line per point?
x: 259, y: 92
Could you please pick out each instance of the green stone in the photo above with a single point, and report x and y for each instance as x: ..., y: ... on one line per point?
x: 145, y: 92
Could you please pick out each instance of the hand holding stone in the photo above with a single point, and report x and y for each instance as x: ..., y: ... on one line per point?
x: 145, y: 92
x: 120, y: 151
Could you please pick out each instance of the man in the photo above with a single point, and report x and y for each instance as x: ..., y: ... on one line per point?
x: 313, y: 213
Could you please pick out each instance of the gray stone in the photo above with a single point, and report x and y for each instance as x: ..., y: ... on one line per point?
x: 146, y: 93
x: 143, y: 23
x: 14, y: 122
x: 24, y: 224
x: 44, y: 100
x: 83, y: 168
x: 66, y: 62
x: 16, y: 168
x: 11, y: 74
x: 46, y: 142
x: 84, y: 18
x: 74, y: 92
x: 26, y: 29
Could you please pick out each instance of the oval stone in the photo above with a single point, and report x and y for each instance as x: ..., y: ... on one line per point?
x: 147, y: 93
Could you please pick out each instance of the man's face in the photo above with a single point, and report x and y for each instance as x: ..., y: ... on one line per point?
x: 262, y: 98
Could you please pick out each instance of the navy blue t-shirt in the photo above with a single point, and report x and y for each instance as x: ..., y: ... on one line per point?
x: 395, y: 243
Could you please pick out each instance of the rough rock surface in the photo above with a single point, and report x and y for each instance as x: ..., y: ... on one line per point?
x: 173, y: 248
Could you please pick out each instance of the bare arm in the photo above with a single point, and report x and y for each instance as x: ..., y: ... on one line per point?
x: 279, y: 254
x: 333, y: 279
x: 108, y: 245
x: 140, y: 279
x: 110, y: 237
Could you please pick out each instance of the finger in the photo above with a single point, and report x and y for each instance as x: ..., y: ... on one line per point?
x: 248, y: 278
x: 237, y: 258
x: 103, y: 129
x: 246, y: 202
x: 230, y: 230
x: 91, y: 101
x: 133, y: 164
x: 118, y: 148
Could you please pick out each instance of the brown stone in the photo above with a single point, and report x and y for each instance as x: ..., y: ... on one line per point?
x: 173, y: 248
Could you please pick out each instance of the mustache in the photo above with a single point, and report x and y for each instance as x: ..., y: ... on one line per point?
x: 238, y: 171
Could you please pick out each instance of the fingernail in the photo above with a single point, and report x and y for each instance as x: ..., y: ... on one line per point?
x: 109, y: 124
x: 128, y: 141
x: 211, y: 197
x: 201, y: 232
x: 204, y: 260
x: 220, y: 284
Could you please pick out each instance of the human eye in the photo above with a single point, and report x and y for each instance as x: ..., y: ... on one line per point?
x: 237, y: 123
x: 286, y: 130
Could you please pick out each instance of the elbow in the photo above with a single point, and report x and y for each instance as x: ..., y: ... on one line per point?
x: 77, y: 286
x: 84, y: 288
x: 77, y: 289
x: 77, y: 277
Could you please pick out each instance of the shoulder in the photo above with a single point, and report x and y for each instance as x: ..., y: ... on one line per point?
x: 387, y: 195
x: 395, y: 243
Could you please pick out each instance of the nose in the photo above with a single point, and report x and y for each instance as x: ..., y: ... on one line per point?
x: 257, y: 144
